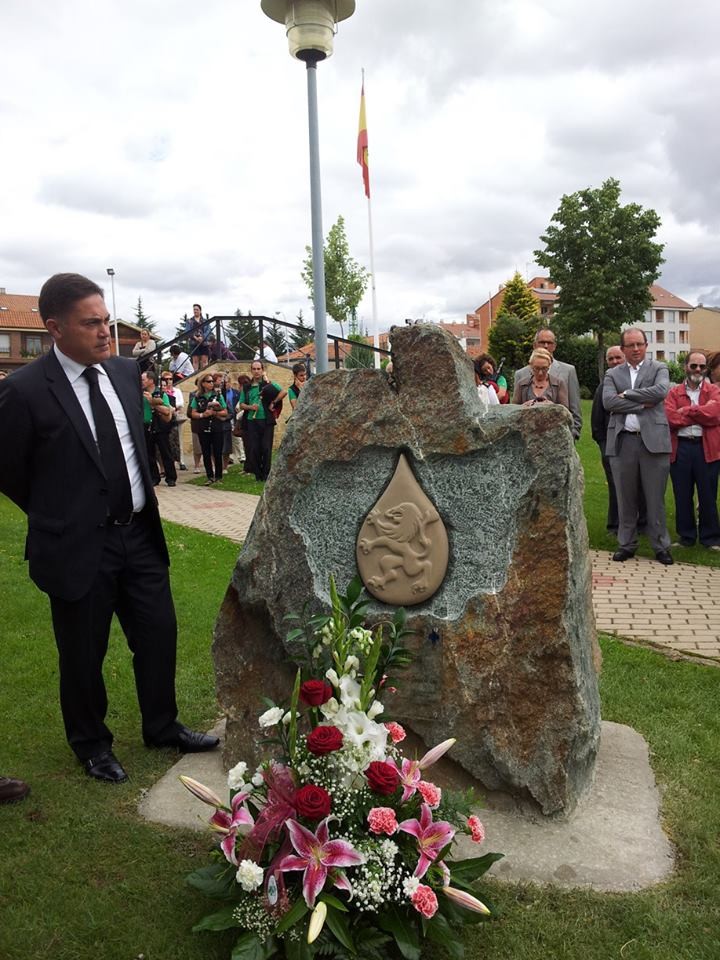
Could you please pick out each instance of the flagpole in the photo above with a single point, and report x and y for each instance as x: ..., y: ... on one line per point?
x: 362, y: 159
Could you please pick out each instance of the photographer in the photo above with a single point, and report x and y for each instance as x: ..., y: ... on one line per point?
x: 158, y: 419
x: 209, y: 409
x: 488, y: 374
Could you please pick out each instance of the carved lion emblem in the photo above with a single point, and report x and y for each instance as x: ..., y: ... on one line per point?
x: 404, y: 543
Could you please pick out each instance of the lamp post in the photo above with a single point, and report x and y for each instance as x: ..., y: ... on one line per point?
x: 111, y: 274
x: 310, y: 26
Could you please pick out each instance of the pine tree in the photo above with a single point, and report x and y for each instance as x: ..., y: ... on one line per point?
x: 143, y: 321
x: 242, y: 335
x: 518, y: 301
x: 275, y: 337
x: 303, y: 336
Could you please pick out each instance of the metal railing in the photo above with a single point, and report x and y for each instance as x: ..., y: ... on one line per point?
x: 226, y: 338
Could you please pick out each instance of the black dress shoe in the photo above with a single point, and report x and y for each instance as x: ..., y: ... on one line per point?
x: 665, y: 557
x: 187, y: 741
x: 622, y: 555
x: 105, y: 767
x: 13, y: 791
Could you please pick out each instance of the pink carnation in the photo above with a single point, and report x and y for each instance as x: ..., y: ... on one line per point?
x: 397, y: 733
x: 476, y: 829
x: 430, y: 793
x: 425, y: 901
x: 382, y: 820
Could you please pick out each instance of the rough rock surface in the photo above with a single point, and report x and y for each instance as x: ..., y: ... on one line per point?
x: 506, y: 655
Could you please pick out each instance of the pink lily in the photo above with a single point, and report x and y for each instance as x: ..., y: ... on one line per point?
x: 463, y: 899
x: 202, y: 792
x: 432, y: 756
x: 431, y: 837
x: 410, y: 776
x: 316, y: 856
x: 228, y: 824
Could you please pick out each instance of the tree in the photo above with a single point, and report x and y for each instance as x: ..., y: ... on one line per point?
x: 345, y: 280
x: 603, y: 257
x: 303, y: 336
x: 143, y: 321
x: 513, y: 330
x: 518, y: 300
x: 361, y: 355
x: 276, y: 337
x: 242, y: 335
x: 510, y: 340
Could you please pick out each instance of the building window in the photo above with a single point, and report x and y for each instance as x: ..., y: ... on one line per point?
x: 32, y: 345
x: 659, y: 314
x: 660, y: 355
x: 683, y: 316
x: 671, y: 336
x: 672, y: 356
x: 4, y: 344
x: 671, y: 318
x: 684, y: 336
x: 648, y: 335
x: 660, y: 338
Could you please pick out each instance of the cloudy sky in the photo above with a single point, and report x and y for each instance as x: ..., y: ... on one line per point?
x: 168, y: 139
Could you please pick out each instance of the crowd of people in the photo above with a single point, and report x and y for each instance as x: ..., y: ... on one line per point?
x: 646, y: 429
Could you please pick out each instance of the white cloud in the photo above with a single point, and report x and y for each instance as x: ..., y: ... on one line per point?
x: 169, y: 140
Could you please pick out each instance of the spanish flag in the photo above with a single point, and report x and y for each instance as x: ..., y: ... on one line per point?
x: 362, y: 144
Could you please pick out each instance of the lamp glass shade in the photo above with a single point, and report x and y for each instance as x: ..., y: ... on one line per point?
x: 309, y: 24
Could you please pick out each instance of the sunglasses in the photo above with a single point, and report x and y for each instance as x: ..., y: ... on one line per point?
x: 167, y: 379
x: 697, y: 366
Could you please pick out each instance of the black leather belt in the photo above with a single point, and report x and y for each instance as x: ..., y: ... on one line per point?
x: 691, y: 439
x: 635, y: 433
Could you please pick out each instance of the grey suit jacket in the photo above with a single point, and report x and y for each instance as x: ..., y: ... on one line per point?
x: 567, y: 373
x: 647, y: 401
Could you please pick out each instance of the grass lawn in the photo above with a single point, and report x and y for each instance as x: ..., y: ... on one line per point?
x: 84, y: 878
x: 234, y: 479
x: 596, y: 503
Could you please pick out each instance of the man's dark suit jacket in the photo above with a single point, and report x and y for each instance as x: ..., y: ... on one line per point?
x: 50, y: 467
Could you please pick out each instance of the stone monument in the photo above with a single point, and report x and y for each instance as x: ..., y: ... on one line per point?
x: 470, y: 518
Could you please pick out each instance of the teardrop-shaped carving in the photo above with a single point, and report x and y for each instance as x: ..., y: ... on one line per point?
x: 402, y: 547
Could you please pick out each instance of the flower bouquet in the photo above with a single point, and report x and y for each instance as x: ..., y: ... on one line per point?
x: 338, y: 845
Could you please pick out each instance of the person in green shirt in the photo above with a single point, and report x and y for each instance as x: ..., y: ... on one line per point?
x: 300, y: 375
x: 157, y: 418
x: 209, y: 407
x: 260, y: 400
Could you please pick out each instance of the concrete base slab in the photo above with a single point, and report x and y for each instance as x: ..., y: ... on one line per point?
x: 613, y: 842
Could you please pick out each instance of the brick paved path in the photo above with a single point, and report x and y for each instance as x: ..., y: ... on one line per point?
x: 640, y: 599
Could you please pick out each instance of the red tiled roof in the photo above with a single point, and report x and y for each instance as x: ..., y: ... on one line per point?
x: 19, y: 311
x: 663, y: 298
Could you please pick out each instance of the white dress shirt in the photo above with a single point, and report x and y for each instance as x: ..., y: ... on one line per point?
x: 694, y: 430
x: 74, y: 372
x: 631, y: 420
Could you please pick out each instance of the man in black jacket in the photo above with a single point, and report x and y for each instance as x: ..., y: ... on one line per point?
x: 74, y: 459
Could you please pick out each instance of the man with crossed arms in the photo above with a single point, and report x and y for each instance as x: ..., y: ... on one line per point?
x: 638, y: 444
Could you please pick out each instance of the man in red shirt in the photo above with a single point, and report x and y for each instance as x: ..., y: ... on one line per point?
x: 693, y: 412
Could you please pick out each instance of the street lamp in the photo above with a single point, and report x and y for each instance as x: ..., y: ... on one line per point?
x: 310, y: 26
x: 111, y: 274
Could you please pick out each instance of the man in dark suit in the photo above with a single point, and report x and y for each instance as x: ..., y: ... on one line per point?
x: 74, y: 459
x: 638, y: 444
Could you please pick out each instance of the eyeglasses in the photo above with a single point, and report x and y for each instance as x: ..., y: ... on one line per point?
x: 207, y: 380
x: 697, y: 366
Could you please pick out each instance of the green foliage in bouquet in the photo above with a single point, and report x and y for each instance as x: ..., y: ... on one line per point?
x: 336, y: 845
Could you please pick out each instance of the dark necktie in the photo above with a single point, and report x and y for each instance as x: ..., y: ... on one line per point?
x: 120, y: 498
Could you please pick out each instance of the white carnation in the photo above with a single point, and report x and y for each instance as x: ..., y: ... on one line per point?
x: 410, y: 885
x: 236, y: 776
x: 271, y: 717
x: 258, y: 779
x: 249, y: 875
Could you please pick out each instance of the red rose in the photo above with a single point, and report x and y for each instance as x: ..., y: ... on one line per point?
x: 312, y: 802
x: 315, y: 692
x: 382, y: 777
x: 324, y: 740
